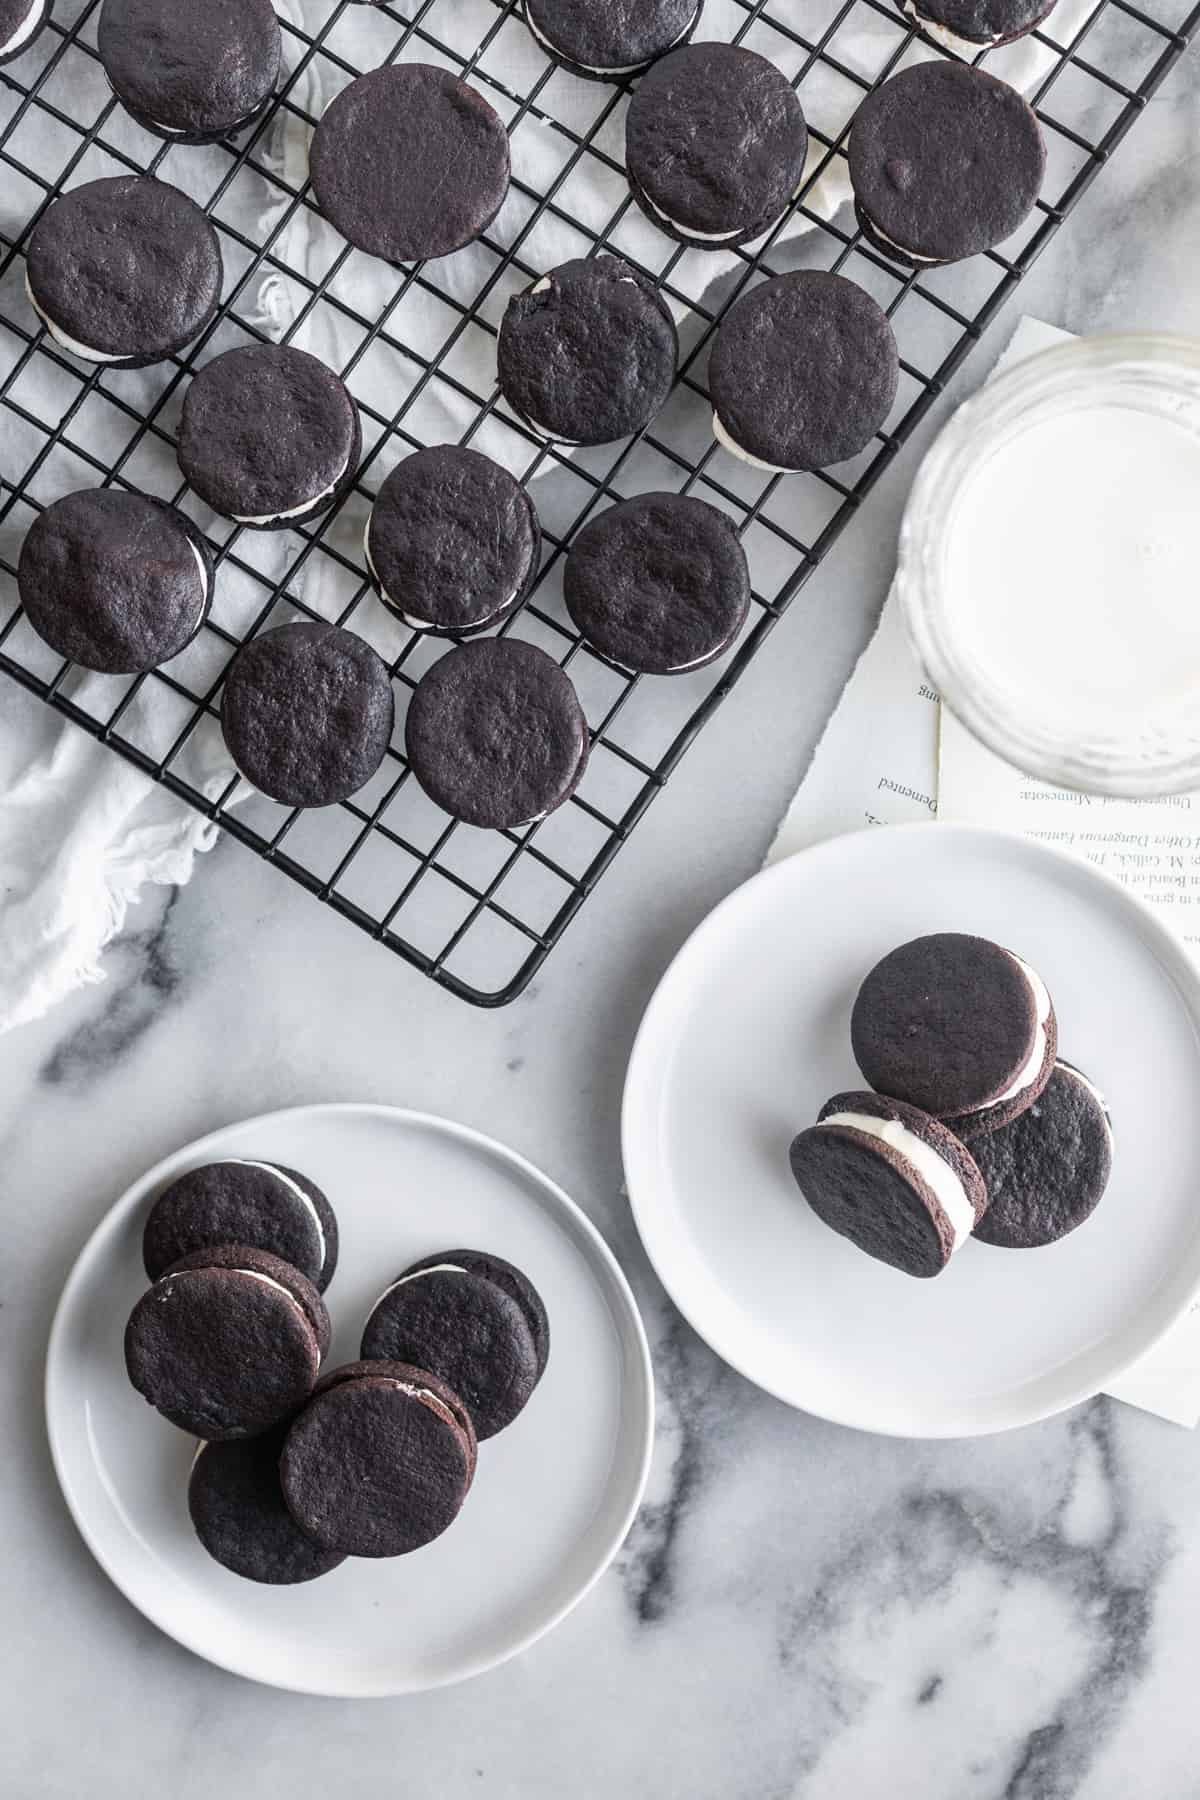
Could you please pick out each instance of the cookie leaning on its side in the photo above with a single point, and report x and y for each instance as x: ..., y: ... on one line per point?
x: 605, y: 40
x: 1047, y: 1171
x: 242, y: 1202
x: 191, y: 74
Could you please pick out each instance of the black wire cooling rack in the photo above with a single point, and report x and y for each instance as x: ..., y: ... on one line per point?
x: 478, y: 911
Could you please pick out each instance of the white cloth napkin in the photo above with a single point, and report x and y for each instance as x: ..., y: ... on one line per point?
x: 81, y: 831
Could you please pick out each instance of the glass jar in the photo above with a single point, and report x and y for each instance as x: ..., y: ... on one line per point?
x: 1049, y: 567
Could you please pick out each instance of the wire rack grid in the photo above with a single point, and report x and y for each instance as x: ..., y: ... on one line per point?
x: 477, y: 911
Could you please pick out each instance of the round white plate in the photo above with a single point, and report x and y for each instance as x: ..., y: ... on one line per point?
x: 747, y: 1037
x: 554, y: 1495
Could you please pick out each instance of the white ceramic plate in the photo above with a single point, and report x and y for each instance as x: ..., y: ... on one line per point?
x: 748, y: 1036
x: 554, y: 1495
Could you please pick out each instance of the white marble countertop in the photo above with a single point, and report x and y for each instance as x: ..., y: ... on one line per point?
x: 801, y: 1611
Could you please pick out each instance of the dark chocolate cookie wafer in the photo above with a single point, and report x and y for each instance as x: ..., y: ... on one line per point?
x: 20, y: 23
x: 514, y: 1282
x: 945, y: 161
x: 228, y: 1342
x: 242, y: 1202
x: 715, y: 143
x: 115, y: 581
x: 379, y: 1462
x: 607, y: 39
x: 124, y: 271
x: 191, y: 73
x: 803, y: 372
x: 588, y: 354
x: 237, y: 1507
x: 307, y: 713
x: 410, y: 162
x: 496, y: 735
x: 958, y: 1026
x: 966, y: 27
x: 269, y: 436
x: 891, y: 1179
x: 452, y: 542
x: 660, y: 583
x: 466, y: 1328
x: 1046, y: 1172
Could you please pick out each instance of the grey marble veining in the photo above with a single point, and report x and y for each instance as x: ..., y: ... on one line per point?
x: 801, y: 1613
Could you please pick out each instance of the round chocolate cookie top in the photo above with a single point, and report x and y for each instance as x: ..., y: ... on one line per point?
x: 589, y: 353
x: 469, y: 1330
x: 128, y: 268
x: 611, y: 37
x: 891, y: 1179
x: 114, y: 581
x: 227, y: 1343
x: 269, y: 435
x: 971, y: 25
x: 384, y: 1369
x: 659, y: 583
x: 452, y: 541
x: 515, y: 1283
x: 945, y: 161
x: 377, y: 1464
x: 495, y: 733
x: 237, y: 1507
x: 1046, y: 1171
x: 951, y: 1023
x: 188, y: 71
x: 410, y: 162
x: 241, y: 1202
x: 307, y: 713
x: 715, y: 142
x: 20, y: 23
x: 803, y: 372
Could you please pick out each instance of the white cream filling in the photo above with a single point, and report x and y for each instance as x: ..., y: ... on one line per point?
x: 436, y: 1269
x: 25, y: 30
x: 934, y: 1171
x: 66, y: 342
x: 735, y: 449
x: 698, y: 237
x: 900, y: 248
x: 416, y: 624
x: 624, y: 68
x: 293, y: 512
x: 1037, y: 1056
x: 949, y: 40
x: 252, y: 1275
x: 246, y: 1162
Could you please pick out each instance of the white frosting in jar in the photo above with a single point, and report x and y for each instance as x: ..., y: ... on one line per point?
x: 934, y: 1171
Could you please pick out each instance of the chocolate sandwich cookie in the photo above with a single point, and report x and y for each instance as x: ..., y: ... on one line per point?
x: 237, y: 1508
x: 192, y: 74
x: 607, y: 39
x: 965, y: 27
x: 514, y: 1282
x: 307, y: 713
x: 380, y: 1460
x: 228, y: 1342
x: 958, y: 1026
x: 891, y: 1179
x: 20, y: 23
x: 659, y: 584
x: 243, y: 1202
x: 452, y: 541
x: 115, y: 581
x: 472, y: 1331
x: 1047, y: 1170
x: 269, y: 436
x: 124, y: 271
x: 715, y: 143
x: 496, y: 735
x: 945, y: 162
x: 588, y: 354
x: 803, y: 372
x: 410, y: 162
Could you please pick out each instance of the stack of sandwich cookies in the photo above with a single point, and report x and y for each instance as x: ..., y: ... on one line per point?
x: 715, y: 144
x: 1047, y: 1170
x: 476, y: 1322
x: 20, y: 23
x: 240, y: 1201
x: 965, y: 27
x: 890, y: 1178
x: 115, y: 581
x: 452, y: 542
x: 124, y: 271
x: 191, y: 74
x: 235, y: 1500
x: 605, y: 40
x: 269, y: 436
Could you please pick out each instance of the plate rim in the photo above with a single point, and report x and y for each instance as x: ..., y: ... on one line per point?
x: 636, y: 1159
x: 479, y: 1141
